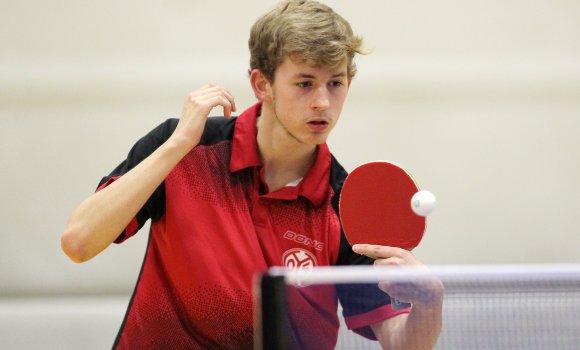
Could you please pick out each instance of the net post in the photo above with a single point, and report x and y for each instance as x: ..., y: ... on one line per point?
x: 271, y: 322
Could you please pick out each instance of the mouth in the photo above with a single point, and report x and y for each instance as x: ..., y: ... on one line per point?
x: 318, y: 125
x: 318, y: 122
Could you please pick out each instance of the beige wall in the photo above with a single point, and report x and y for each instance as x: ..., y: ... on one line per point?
x: 480, y: 100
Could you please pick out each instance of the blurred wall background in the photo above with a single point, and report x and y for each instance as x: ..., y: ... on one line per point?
x: 480, y: 100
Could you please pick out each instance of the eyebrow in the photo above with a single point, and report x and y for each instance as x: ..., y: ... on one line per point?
x: 310, y: 76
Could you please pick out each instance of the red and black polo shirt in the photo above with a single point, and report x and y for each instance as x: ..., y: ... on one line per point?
x: 215, y: 225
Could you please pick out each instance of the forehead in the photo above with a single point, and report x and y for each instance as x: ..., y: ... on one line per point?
x: 292, y: 66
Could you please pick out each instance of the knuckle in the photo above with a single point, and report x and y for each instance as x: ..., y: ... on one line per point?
x: 405, y: 254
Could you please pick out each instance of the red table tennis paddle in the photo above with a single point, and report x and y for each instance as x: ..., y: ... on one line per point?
x: 375, y: 208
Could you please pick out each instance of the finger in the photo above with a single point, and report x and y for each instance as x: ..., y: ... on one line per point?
x: 392, y: 261
x: 378, y: 251
x: 228, y: 111
x: 391, y: 289
x: 231, y: 99
x: 219, y: 99
x: 209, y: 99
x: 230, y: 106
x: 401, y: 292
x: 212, y: 88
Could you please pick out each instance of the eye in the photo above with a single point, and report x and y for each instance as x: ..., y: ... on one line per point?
x: 336, y: 83
x: 304, y: 84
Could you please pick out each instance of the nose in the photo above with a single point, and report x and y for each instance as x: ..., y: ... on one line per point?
x: 321, y: 99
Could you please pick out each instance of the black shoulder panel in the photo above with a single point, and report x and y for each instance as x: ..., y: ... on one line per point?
x: 345, y: 254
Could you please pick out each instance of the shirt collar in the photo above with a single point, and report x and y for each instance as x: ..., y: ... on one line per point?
x: 245, y: 143
x: 245, y: 154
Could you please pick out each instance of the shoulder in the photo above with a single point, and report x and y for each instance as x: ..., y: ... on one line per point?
x: 345, y: 256
x: 218, y: 129
x: 151, y: 141
x: 162, y: 131
x: 337, y: 175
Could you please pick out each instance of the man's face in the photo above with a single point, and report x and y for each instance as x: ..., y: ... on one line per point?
x: 307, y: 101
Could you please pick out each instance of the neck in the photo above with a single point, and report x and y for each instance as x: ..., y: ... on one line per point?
x: 284, y: 158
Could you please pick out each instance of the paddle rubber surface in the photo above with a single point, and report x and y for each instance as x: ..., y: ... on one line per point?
x: 375, y: 207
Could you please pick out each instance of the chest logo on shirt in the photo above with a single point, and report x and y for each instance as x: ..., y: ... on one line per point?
x: 302, y: 239
x: 299, y: 259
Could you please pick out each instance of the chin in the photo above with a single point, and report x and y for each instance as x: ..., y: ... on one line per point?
x: 315, y: 141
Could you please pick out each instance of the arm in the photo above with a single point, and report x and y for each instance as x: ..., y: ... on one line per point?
x: 100, y: 218
x: 420, y: 328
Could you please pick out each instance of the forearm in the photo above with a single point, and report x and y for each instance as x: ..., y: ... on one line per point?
x: 99, y: 220
x: 416, y: 330
x: 422, y: 328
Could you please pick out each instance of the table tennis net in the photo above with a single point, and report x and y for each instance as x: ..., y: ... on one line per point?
x: 485, y: 307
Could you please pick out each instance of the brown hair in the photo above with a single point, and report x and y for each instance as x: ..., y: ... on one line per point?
x: 305, y: 30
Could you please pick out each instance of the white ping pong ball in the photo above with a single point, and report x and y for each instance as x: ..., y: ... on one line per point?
x: 423, y: 203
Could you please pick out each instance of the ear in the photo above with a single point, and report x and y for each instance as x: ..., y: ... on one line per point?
x: 261, y: 86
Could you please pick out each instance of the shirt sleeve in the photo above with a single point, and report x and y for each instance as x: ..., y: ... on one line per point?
x: 154, y: 208
x: 364, y: 305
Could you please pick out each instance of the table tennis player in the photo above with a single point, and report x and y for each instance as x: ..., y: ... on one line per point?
x: 230, y: 197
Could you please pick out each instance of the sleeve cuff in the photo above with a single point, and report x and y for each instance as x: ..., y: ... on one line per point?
x: 133, y: 225
x: 360, y: 323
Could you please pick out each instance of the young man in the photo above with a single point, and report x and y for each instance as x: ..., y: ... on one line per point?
x: 228, y: 198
